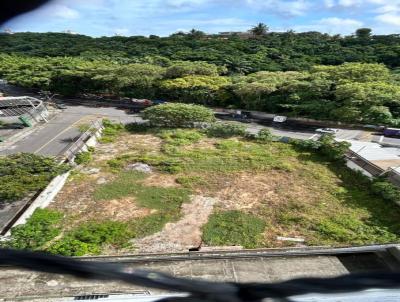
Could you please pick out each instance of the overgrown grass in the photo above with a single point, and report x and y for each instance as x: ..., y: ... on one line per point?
x: 323, y: 202
x: 230, y: 155
x: 234, y: 228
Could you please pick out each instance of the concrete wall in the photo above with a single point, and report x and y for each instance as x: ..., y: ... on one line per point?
x: 356, y: 167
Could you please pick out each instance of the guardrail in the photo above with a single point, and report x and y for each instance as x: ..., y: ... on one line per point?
x: 77, y: 146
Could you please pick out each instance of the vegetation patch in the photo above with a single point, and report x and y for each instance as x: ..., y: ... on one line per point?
x: 226, y: 130
x: 91, y: 237
x: 111, y: 131
x: 234, y: 228
x: 43, y: 226
x: 25, y: 173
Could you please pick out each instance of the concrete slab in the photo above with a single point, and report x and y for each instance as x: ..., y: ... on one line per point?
x: 17, y: 283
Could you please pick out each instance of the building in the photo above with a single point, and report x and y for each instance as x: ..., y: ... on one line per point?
x: 22, y: 109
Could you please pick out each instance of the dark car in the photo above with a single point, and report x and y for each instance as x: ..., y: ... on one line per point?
x: 13, y: 126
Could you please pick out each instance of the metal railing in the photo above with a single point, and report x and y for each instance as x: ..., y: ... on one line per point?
x: 77, y: 146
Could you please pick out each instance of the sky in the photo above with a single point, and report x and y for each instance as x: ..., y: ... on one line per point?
x: 164, y: 17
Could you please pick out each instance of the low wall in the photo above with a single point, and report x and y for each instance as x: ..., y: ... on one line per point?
x: 351, y: 165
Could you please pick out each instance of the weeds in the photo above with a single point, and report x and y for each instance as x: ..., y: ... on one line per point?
x: 233, y: 228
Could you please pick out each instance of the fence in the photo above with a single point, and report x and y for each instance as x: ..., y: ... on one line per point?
x: 78, y: 145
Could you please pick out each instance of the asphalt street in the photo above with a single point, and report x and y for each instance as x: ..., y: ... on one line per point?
x: 54, y: 137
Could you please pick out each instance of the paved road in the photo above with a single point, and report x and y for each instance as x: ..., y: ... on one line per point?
x: 386, y: 141
x: 53, y: 138
x: 305, y: 134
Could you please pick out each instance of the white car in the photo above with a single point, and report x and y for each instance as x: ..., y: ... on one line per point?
x: 327, y: 130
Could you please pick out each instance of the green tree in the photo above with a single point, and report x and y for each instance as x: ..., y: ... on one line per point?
x: 178, y: 115
x: 363, y: 33
x: 259, y: 30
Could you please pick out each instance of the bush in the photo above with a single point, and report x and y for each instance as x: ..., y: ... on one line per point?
x: 226, y: 130
x: 83, y: 157
x: 306, y: 144
x: 386, y: 190
x: 40, y: 228
x: 333, y: 150
x: 24, y: 173
x: 176, y: 115
x: 264, y: 136
x: 70, y: 246
x: 90, y: 237
x: 233, y: 228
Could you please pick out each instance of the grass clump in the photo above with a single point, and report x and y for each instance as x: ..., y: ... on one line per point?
x: 233, y: 228
x: 190, y: 181
x: 41, y: 227
x: 125, y: 185
x: 180, y: 137
x: 84, y: 157
x: 153, y: 223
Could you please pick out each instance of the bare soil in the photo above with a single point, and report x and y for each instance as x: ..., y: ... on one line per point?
x: 182, y: 235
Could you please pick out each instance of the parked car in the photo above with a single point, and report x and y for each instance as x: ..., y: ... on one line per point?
x: 13, y: 126
x: 391, y: 132
x: 61, y: 106
x: 327, y: 130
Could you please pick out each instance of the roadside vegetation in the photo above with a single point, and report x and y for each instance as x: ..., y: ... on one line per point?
x: 23, y: 174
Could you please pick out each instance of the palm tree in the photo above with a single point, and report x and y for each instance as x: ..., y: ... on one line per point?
x: 196, y: 34
x: 259, y: 30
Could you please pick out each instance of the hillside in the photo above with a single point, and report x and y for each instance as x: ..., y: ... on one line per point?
x: 349, y: 79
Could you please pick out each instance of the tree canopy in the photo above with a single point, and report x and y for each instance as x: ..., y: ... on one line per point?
x: 352, y: 79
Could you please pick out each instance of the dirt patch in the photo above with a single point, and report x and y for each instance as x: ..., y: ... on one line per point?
x: 205, y: 143
x: 161, y: 180
x: 183, y: 234
x: 77, y: 204
x: 127, y: 143
x: 247, y: 190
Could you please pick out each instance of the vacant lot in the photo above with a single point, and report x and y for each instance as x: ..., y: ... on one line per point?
x: 213, y: 192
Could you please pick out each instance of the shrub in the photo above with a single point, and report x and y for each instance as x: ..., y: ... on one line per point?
x: 226, y: 130
x: 176, y: 115
x: 83, y: 157
x: 233, y: 228
x: 70, y: 246
x: 306, y: 144
x: 40, y: 228
x: 333, y: 150
x: 386, y: 190
x: 264, y: 136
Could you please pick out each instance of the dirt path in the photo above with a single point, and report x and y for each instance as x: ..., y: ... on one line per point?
x: 183, y: 234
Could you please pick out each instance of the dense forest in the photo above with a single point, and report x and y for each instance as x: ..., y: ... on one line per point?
x: 353, y: 78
